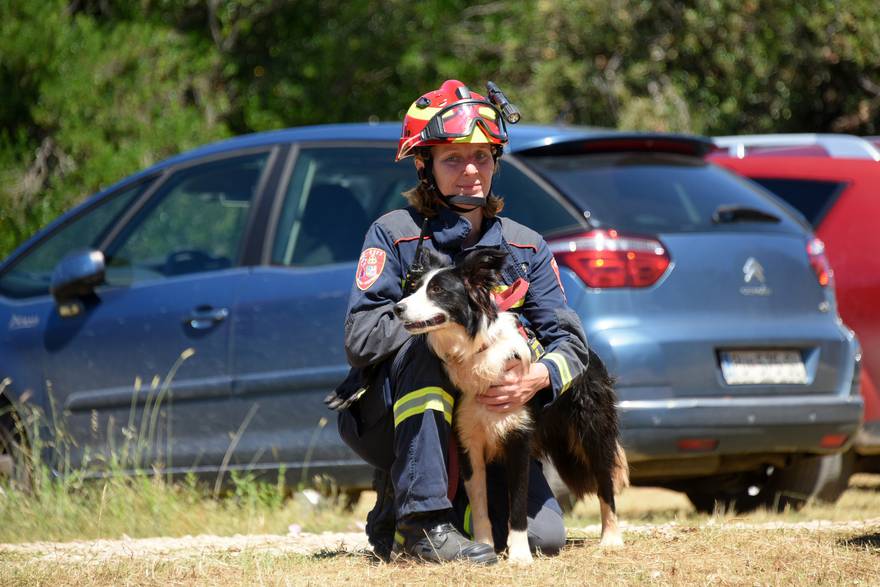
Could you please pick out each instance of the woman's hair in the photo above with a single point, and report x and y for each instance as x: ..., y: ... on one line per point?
x: 422, y: 198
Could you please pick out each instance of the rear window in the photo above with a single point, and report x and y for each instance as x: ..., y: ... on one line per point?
x: 812, y: 198
x: 657, y: 192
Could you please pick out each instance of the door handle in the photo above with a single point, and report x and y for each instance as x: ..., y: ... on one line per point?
x: 205, y: 317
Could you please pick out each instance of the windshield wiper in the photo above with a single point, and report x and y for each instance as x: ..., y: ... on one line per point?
x: 725, y: 214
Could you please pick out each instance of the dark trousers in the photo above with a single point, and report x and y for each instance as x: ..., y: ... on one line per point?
x: 402, y: 425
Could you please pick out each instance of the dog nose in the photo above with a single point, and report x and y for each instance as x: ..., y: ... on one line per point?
x: 398, y: 309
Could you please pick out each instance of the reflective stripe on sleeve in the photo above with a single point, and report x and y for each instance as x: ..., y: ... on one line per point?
x: 427, y: 398
x: 562, y: 366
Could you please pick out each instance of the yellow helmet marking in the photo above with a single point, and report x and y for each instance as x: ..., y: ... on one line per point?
x: 421, y: 113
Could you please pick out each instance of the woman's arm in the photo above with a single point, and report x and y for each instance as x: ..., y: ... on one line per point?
x: 372, y: 331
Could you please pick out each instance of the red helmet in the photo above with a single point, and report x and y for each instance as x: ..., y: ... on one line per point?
x: 451, y: 114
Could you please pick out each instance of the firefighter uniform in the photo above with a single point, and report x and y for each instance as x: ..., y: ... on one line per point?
x: 402, y: 422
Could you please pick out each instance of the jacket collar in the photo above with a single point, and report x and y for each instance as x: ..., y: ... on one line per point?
x: 450, y: 229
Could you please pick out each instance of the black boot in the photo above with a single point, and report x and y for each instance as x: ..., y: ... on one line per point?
x: 431, y: 537
x: 380, y: 520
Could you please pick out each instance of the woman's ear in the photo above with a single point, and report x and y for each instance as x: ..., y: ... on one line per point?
x: 420, y: 164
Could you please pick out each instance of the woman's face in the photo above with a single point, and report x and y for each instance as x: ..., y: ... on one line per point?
x: 463, y: 170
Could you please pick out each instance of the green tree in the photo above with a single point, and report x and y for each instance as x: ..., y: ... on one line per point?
x: 93, y: 102
x: 96, y: 89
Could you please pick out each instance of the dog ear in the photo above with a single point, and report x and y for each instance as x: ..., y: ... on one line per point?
x: 481, y: 268
x: 431, y: 260
x: 480, y: 271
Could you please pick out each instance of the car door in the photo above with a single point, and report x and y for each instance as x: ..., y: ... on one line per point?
x: 288, y: 322
x: 141, y: 372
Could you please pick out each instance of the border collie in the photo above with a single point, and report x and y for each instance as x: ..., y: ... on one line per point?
x: 578, y: 432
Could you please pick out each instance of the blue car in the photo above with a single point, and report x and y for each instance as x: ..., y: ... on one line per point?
x: 191, y: 314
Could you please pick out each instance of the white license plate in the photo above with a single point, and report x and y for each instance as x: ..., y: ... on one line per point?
x: 763, y: 367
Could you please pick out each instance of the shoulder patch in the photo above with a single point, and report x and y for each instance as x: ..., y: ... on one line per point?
x: 369, y: 267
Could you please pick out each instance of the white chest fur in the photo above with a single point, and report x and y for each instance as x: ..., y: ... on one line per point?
x: 473, y: 366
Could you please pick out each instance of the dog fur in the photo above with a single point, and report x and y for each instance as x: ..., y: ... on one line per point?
x: 578, y: 433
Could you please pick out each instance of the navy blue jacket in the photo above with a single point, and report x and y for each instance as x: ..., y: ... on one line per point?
x: 373, y: 332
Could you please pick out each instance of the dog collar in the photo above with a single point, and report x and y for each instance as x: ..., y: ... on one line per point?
x: 510, y: 296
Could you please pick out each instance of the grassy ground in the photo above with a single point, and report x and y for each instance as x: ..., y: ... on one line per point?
x: 667, y: 542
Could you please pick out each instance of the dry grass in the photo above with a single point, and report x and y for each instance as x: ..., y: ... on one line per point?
x: 667, y: 544
x: 687, y: 556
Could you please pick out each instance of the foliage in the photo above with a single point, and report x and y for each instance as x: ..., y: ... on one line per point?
x: 96, y: 89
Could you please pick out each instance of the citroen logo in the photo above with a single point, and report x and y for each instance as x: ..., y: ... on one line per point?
x: 753, y: 270
x: 753, y: 276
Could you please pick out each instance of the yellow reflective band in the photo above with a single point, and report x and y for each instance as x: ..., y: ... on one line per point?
x: 562, y: 366
x: 422, y: 113
x: 398, y: 538
x: 536, y: 348
x: 420, y: 400
x: 468, y: 524
x: 487, y: 113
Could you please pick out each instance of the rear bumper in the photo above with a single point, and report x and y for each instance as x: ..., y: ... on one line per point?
x: 750, y: 431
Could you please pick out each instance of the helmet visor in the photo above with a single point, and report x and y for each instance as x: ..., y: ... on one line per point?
x: 459, y: 119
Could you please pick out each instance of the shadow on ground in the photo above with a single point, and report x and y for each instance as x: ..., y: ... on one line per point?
x: 865, y: 541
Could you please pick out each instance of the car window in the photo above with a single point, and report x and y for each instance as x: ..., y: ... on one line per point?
x: 657, y: 192
x: 333, y: 196
x: 527, y: 202
x: 30, y: 275
x: 193, y: 223
x: 336, y: 193
x: 813, y: 198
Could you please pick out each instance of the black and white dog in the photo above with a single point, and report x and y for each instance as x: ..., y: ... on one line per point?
x: 578, y: 432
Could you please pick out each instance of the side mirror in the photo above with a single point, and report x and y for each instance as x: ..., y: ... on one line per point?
x: 76, y: 276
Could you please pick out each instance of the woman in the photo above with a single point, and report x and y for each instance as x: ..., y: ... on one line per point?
x: 401, y: 419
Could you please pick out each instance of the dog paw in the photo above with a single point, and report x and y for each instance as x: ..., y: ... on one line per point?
x: 519, y: 557
x: 611, y: 541
x: 518, y: 552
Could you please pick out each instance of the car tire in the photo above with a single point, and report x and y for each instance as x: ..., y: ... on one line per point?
x: 822, y: 478
x: 15, y: 466
x: 735, y: 501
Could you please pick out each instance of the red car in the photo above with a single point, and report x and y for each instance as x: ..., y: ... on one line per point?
x: 834, y: 182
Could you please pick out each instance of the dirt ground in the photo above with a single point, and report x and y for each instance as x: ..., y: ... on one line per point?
x: 667, y: 543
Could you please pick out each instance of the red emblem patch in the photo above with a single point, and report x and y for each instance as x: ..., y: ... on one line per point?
x: 370, y: 267
x: 558, y: 279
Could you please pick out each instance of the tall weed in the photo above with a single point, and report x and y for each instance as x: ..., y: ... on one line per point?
x: 129, y: 490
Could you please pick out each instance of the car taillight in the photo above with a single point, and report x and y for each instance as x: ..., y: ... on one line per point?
x: 606, y: 258
x: 819, y: 262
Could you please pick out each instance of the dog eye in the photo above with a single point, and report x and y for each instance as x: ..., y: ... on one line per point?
x: 434, y: 289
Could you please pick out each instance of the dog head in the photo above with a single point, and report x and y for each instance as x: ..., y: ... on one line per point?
x: 459, y: 294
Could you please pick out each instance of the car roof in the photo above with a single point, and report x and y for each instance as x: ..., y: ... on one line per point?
x: 805, y: 167
x: 524, y: 138
x: 838, y: 146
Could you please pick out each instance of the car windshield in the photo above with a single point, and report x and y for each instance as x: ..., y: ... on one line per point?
x: 659, y: 192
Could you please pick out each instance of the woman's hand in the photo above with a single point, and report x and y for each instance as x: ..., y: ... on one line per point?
x: 515, y: 387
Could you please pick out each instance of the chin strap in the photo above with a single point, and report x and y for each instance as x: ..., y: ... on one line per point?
x: 453, y: 202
